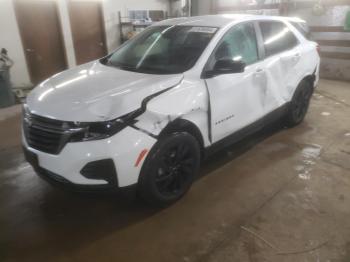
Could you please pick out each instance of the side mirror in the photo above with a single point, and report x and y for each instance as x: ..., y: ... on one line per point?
x: 226, y: 66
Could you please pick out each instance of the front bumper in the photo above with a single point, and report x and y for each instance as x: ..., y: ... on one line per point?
x: 65, y: 168
x: 59, y: 181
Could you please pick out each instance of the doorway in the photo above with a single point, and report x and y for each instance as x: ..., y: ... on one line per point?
x: 42, y: 40
x: 87, y: 23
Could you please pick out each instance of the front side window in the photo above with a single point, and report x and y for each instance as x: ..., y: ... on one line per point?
x: 163, y: 49
x: 239, y: 44
x: 277, y: 37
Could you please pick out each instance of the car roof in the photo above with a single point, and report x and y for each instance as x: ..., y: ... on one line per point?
x: 294, y: 19
x: 219, y: 20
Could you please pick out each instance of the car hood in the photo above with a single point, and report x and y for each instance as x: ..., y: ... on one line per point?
x: 95, y: 92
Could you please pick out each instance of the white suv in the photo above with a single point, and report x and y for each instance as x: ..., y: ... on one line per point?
x: 147, y: 113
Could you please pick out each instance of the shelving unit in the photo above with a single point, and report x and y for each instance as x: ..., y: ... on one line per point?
x: 129, y: 27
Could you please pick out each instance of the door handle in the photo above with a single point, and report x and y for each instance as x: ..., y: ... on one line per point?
x: 258, y: 72
x: 296, y: 56
x: 30, y: 50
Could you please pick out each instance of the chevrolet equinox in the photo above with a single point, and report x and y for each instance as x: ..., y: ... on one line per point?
x: 146, y: 113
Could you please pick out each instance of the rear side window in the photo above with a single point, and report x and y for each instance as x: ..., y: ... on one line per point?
x: 303, y: 29
x: 277, y: 37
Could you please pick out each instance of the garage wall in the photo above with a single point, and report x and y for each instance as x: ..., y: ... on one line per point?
x: 328, y: 31
x: 111, y: 8
x: 66, y: 31
x: 202, y: 7
x: 328, y: 28
x: 10, y: 36
x: 10, y: 39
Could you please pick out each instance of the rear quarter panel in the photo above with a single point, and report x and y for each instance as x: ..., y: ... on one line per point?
x: 309, y: 63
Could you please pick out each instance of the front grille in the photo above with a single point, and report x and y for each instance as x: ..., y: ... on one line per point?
x: 45, y: 134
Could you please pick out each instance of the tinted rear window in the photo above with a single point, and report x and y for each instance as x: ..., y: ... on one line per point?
x: 277, y: 37
x: 303, y: 28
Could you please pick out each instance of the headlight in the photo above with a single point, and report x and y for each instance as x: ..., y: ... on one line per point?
x: 101, y: 130
x: 97, y: 130
x: 25, y: 110
x: 87, y: 131
x: 25, y: 114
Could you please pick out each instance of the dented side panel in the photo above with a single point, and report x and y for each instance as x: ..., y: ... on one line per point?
x: 284, y: 72
x: 243, y: 99
x: 188, y: 100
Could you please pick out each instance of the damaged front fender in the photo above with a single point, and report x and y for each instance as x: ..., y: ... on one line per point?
x: 188, y: 101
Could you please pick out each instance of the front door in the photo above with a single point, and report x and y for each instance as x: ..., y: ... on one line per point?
x: 87, y: 23
x: 42, y: 41
x: 236, y: 100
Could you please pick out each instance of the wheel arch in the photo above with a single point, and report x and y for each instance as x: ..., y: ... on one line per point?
x: 310, y: 79
x: 183, y: 125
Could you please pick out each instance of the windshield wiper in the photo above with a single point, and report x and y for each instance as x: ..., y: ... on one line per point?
x: 123, y: 67
x: 129, y: 68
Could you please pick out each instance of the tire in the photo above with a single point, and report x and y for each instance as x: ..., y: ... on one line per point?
x: 299, y: 105
x: 169, y: 169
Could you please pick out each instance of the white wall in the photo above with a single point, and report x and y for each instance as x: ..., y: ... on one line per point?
x: 10, y: 39
x: 67, y: 32
x: 205, y: 7
x: 10, y: 36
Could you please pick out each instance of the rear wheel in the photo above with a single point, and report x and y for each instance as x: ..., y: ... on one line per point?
x: 169, y: 169
x: 299, y: 104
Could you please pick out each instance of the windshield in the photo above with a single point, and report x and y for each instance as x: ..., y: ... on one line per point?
x: 163, y: 49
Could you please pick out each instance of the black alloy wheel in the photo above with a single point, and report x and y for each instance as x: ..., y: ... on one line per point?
x: 175, y: 169
x: 170, y: 169
x: 299, y: 104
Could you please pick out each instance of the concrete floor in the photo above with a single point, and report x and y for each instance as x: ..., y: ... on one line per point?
x: 289, y: 186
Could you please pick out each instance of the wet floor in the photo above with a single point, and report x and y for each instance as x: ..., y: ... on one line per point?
x: 279, y: 195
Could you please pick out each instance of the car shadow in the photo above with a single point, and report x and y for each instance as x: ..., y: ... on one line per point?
x: 87, y: 217
x: 231, y: 152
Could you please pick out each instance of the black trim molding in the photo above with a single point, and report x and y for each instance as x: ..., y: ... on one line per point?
x: 248, y: 130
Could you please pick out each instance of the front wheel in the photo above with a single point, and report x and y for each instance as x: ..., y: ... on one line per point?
x: 300, y: 104
x: 169, y: 169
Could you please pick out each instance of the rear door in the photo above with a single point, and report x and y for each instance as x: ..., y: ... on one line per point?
x: 282, y: 56
x: 236, y: 99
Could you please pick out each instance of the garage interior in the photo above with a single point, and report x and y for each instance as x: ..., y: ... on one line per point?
x: 278, y: 195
